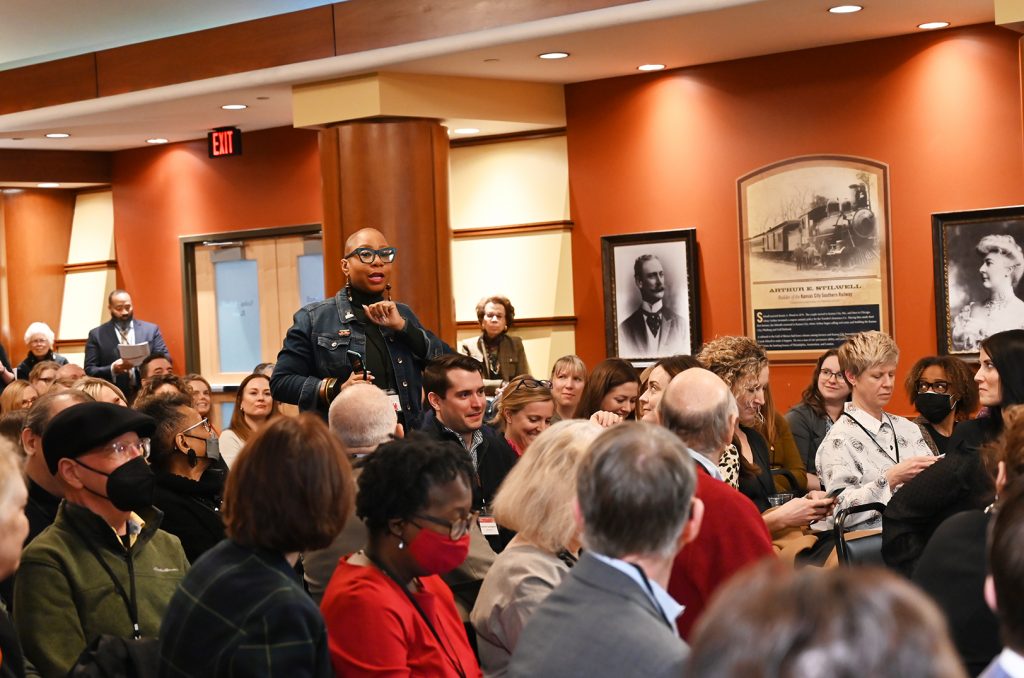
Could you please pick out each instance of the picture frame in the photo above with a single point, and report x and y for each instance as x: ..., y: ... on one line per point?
x: 669, y: 286
x: 978, y: 263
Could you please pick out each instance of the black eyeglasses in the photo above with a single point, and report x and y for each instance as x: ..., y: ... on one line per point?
x: 368, y: 254
x: 830, y: 375
x: 532, y: 383
x: 457, y: 529
x: 936, y: 386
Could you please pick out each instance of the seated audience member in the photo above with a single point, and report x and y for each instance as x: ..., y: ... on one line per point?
x: 774, y: 428
x: 611, y: 616
x: 869, y: 453
x: 266, y: 369
x: 610, y: 394
x: 254, y: 409
x: 387, y: 611
x: 524, y: 409
x: 75, y: 577
x: 536, y: 501
x: 661, y: 373
x: 19, y: 395
x: 959, y: 481
x: 155, y: 364
x: 11, y: 424
x: 820, y: 406
x: 501, y: 353
x: 161, y: 384
x: 39, y: 339
x: 182, y: 454
x: 957, y: 552
x: 202, y: 395
x: 943, y: 392
x: 13, y: 530
x: 568, y: 376
x: 44, y: 490
x: 241, y: 610
x: 361, y: 417
x: 1004, y: 588
x: 70, y: 372
x: 101, y: 390
x: 43, y: 376
x: 776, y: 622
x: 454, y: 387
x: 698, y: 407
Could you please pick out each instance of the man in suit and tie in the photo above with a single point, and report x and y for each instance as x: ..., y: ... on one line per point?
x: 102, y: 357
x: 653, y: 330
x: 1004, y: 587
x: 611, y: 616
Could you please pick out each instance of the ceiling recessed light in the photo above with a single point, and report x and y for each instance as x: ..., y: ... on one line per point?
x: 554, y: 55
x: 57, y: 135
x: 845, y: 9
x: 932, y: 25
x: 465, y: 130
x: 48, y: 184
x: 651, y: 67
x: 234, y: 107
x: 156, y: 140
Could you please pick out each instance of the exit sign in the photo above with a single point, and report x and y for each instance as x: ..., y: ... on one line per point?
x: 224, y: 141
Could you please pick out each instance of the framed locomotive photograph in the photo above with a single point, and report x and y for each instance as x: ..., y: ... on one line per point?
x: 978, y: 265
x: 814, y: 242
x: 651, y: 295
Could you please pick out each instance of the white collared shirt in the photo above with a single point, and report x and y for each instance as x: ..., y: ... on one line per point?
x: 1012, y: 663
x: 706, y: 463
x: 661, y: 597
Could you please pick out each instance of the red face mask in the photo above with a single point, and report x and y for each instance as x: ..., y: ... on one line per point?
x: 436, y: 553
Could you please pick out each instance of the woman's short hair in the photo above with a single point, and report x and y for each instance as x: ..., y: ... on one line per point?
x: 772, y: 620
x: 1006, y: 350
x: 167, y: 410
x: 733, y: 358
x: 238, y: 424
x: 516, y: 395
x: 290, y: 489
x: 537, y: 496
x: 94, y: 387
x: 510, y: 310
x: 1007, y: 246
x: 396, y: 479
x: 812, y: 395
x: 40, y: 367
x: 573, y: 364
x: 959, y: 376
x: 150, y: 386
x: 10, y: 399
x: 39, y: 328
x: 607, y: 375
x: 864, y: 350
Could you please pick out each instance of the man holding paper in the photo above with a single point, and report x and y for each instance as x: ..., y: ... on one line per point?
x: 115, y: 349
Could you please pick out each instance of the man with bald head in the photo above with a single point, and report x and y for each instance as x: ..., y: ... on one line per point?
x: 699, y: 408
x: 360, y: 321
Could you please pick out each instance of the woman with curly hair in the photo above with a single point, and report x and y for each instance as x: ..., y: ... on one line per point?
x: 502, y: 354
x: 943, y: 391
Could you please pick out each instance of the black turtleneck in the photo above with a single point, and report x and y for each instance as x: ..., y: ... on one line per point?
x: 377, y: 358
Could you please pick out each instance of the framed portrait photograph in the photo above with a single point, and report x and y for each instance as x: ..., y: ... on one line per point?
x: 814, y: 243
x: 651, y: 295
x: 978, y: 265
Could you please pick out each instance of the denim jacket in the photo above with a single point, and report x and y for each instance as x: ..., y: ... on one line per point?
x: 316, y: 345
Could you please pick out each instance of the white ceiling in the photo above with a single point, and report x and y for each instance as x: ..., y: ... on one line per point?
x: 603, y: 43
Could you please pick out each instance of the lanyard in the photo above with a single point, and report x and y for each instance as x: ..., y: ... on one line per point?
x: 895, y: 440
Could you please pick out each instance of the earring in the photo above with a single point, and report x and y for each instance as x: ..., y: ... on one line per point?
x: 401, y: 543
x: 193, y: 458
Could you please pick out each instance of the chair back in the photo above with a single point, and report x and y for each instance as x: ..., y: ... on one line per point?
x: 864, y: 549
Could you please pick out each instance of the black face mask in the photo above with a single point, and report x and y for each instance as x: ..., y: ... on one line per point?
x: 934, y: 406
x: 130, y: 486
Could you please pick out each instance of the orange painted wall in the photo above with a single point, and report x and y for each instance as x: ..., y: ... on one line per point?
x: 664, y: 151
x: 37, y: 234
x: 165, y: 192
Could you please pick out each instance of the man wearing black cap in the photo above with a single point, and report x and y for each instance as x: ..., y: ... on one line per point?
x: 103, y: 567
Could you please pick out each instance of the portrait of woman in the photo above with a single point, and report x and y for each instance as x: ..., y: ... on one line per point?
x: 1002, y: 263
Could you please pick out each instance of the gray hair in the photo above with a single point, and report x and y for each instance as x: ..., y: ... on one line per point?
x: 362, y: 416
x: 635, y: 488
x: 39, y: 328
x: 703, y: 426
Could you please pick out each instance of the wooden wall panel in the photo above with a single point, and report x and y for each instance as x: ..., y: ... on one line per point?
x: 63, y: 166
x: 236, y: 48
x: 48, y: 84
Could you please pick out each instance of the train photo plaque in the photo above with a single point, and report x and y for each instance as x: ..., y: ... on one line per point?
x: 814, y: 242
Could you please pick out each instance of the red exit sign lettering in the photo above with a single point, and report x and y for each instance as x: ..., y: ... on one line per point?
x: 224, y: 141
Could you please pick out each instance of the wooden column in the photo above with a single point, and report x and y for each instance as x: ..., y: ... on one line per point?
x: 391, y: 173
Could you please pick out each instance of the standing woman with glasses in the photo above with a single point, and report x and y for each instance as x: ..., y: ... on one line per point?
x: 524, y: 409
x: 361, y: 326
x: 387, y: 610
x: 820, y: 406
x: 501, y: 353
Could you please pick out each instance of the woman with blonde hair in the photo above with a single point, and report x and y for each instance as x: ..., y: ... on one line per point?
x: 19, y: 395
x: 101, y: 390
x: 536, y: 500
x: 524, y: 410
x: 568, y: 376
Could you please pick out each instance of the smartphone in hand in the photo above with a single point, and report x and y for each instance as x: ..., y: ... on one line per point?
x: 356, y: 361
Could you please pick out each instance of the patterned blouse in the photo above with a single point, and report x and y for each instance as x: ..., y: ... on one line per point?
x: 857, y: 452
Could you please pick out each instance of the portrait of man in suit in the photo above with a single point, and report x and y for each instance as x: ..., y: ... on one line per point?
x: 654, y: 329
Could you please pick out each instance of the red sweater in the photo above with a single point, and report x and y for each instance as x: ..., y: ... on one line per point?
x: 732, y: 536
x: 374, y: 630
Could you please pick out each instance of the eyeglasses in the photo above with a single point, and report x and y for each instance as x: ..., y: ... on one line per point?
x: 532, y: 383
x: 936, y: 386
x: 127, y: 449
x: 205, y: 423
x: 830, y: 375
x: 368, y: 254
x: 457, y: 529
